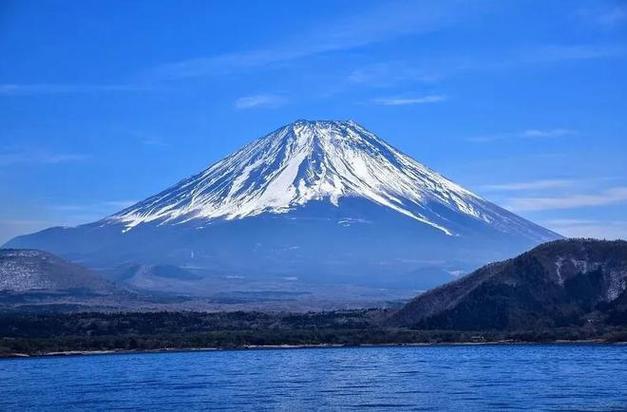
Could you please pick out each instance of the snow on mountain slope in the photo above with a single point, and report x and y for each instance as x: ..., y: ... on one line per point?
x: 319, y: 161
x: 312, y: 202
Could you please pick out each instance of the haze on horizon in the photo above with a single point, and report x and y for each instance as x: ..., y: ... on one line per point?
x: 102, y: 106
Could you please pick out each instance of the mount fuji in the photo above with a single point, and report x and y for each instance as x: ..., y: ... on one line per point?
x: 314, y: 202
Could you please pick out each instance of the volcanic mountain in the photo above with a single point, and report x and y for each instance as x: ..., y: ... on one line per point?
x: 312, y: 202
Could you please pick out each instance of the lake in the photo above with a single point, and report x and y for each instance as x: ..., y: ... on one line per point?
x: 473, y: 377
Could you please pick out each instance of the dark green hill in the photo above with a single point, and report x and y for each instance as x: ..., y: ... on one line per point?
x: 562, y: 283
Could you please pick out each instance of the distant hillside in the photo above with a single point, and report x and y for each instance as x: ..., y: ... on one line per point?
x: 25, y: 270
x: 33, y: 281
x: 37, y: 281
x: 561, y: 283
x: 135, y: 271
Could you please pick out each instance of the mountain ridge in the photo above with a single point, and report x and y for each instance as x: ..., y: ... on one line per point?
x: 27, y: 270
x: 559, y: 283
x: 307, y: 161
x: 312, y: 201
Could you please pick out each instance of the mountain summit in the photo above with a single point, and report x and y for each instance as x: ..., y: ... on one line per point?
x: 313, y: 201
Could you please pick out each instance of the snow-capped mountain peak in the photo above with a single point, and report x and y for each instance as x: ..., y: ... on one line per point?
x: 309, y: 161
x: 313, y: 202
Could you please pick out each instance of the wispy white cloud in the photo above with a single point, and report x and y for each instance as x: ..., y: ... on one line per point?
x: 151, y: 141
x: 107, y: 205
x: 530, y: 185
x: 538, y: 133
x: 614, y: 195
x: 604, y: 16
x: 441, y: 67
x: 384, y: 22
x: 11, y: 227
x: 557, y: 53
x: 72, y: 214
x: 404, y: 101
x: 525, y: 134
x: 119, y: 204
x: 260, y: 101
x: 388, y: 73
x: 147, y: 138
x: 600, y: 229
x: 540, y: 55
x: 39, y: 157
x: 45, y: 88
x: 613, y: 16
x: 69, y: 214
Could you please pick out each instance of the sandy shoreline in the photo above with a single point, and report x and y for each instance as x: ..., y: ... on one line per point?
x: 313, y: 346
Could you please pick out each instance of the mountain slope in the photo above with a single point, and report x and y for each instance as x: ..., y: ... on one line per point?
x: 34, y: 270
x: 319, y: 161
x: 37, y: 281
x: 314, y: 201
x: 560, y: 283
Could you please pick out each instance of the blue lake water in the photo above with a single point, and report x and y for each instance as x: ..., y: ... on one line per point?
x: 482, y: 377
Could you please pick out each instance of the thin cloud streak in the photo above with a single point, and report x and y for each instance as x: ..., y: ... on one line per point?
x: 147, y: 138
x: 44, y: 88
x: 100, y: 209
x: 34, y: 157
x: 599, y: 229
x: 9, y: 228
x: 74, y: 214
x: 531, y: 185
x: 615, y: 195
x: 538, y: 55
x: 556, y: 53
x: 525, y: 134
x: 603, y: 16
x: 388, y: 73
x: 260, y: 101
x: 66, y: 215
x: 403, y: 101
x: 613, y: 17
x: 536, y: 133
x: 154, y: 142
x: 381, y: 23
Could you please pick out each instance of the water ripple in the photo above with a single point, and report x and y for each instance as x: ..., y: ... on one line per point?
x: 476, y: 378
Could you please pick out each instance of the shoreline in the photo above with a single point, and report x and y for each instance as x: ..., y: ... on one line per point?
x: 72, y: 353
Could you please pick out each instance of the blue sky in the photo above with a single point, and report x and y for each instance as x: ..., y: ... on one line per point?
x: 105, y: 103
